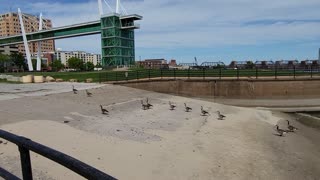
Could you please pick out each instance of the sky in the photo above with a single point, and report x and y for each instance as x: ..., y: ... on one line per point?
x: 211, y: 30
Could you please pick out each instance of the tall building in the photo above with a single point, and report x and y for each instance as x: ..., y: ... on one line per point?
x: 63, y: 56
x: 10, y: 25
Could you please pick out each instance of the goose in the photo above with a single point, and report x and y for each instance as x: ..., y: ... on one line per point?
x: 103, y: 110
x: 290, y: 127
x: 221, y: 116
x: 281, y: 132
x: 148, y: 104
x: 187, y: 108
x: 204, y: 113
x: 89, y: 94
x: 75, y: 91
x: 144, y: 106
x: 172, y: 106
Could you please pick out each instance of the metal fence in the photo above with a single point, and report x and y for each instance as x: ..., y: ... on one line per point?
x: 26, y: 145
x: 219, y: 73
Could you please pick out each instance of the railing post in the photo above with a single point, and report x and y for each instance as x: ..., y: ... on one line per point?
x: 189, y: 73
x: 25, y: 163
x: 116, y: 76
x: 256, y: 72
x: 174, y: 74
x: 311, y: 72
x: 99, y: 78
x: 161, y: 73
x: 238, y: 73
x: 137, y: 73
x: 149, y: 74
x: 275, y: 72
x: 203, y: 73
x: 106, y: 76
x: 220, y: 73
x: 294, y: 72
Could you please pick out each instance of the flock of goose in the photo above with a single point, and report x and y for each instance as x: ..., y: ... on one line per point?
x: 282, y: 132
x: 146, y: 106
x: 172, y: 106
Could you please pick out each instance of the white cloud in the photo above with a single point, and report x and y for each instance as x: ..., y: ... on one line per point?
x: 188, y: 23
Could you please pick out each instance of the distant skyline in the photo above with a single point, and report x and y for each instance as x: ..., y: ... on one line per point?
x: 211, y: 30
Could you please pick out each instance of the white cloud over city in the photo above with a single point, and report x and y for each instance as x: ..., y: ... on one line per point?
x: 180, y: 24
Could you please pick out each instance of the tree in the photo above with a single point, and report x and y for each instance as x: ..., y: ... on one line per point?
x: 4, y: 62
x: 56, y: 65
x: 75, y: 63
x: 98, y: 65
x: 249, y: 65
x: 34, y: 63
x: 89, y: 66
x: 18, y: 60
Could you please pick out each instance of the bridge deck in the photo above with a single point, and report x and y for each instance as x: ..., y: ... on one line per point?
x: 93, y: 27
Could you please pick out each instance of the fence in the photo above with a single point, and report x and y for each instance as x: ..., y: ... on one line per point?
x: 208, y: 74
x: 26, y: 145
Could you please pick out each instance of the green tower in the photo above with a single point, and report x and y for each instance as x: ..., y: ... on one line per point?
x: 117, y: 39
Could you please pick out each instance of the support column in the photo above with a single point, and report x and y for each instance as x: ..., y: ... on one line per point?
x: 100, y: 7
x: 25, y: 42
x: 39, y: 46
x: 118, y: 7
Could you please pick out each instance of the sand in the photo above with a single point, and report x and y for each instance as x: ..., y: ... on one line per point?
x: 131, y: 143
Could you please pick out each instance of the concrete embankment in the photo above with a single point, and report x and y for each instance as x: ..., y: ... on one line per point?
x: 244, y: 89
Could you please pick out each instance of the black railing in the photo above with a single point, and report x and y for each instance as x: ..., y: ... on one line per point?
x: 26, y: 145
x: 218, y: 73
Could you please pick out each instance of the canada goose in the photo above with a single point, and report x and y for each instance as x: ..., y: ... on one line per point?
x: 144, y: 106
x: 290, y: 127
x: 89, y: 94
x: 75, y: 91
x: 148, y: 104
x: 187, y: 108
x: 281, y: 132
x: 172, y: 106
x: 221, y: 116
x: 203, y: 112
x: 103, y: 110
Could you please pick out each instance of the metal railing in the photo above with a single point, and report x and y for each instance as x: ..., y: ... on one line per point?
x: 26, y: 145
x: 218, y: 73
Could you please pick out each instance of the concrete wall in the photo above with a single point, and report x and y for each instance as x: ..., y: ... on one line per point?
x: 233, y: 88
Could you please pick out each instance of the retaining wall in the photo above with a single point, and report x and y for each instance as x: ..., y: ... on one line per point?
x: 233, y: 88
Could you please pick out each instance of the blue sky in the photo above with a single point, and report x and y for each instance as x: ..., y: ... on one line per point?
x: 212, y: 30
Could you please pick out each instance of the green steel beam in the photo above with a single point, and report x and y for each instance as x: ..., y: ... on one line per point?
x: 82, y: 29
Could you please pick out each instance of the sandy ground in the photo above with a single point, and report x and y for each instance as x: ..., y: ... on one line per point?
x: 12, y: 91
x: 131, y: 143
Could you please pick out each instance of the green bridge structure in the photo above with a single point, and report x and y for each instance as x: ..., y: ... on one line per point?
x: 117, y: 37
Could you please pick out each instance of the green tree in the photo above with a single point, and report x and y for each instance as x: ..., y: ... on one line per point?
x: 98, y: 65
x: 75, y: 63
x: 250, y: 65
x: 89, y: 66
x: 34, y: 63
x: 56, y: 65
x: 4, y: 62
x: 18, y: 60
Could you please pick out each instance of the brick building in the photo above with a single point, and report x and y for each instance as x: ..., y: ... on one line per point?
x: 10, y: 25
x: 153, y: 64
